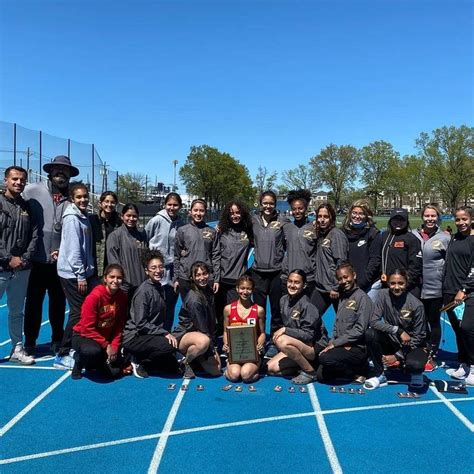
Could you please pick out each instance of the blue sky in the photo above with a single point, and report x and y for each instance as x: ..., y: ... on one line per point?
x: 270, y: 82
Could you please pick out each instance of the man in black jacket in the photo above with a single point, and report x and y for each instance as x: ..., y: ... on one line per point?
x: 18, y: 240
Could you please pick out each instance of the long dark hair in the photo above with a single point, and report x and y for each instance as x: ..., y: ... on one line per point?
x: 332, y: 215
x: 225, y: 222
x: 202, y: 292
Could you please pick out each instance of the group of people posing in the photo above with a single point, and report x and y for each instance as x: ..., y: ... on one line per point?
x: 122, y: 285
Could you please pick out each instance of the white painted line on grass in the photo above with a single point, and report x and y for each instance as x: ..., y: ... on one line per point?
x: 328, y: 446
x: 468, y: 424
x: 31, y: 405
x: 136, y: 439
x: 160, y: 447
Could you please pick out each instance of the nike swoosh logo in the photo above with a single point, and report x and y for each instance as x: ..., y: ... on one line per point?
x: 360, y: 243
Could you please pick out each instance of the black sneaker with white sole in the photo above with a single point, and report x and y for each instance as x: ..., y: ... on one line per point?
x: 139, y: 371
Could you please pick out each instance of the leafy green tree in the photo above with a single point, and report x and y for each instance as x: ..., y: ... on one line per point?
x: 215, y: 176
x: 301, y: 177
x: 418, y: 178
x: 265, y: 180
x: 336, y: 167
x: 449, y: 153
x: 377, y: 160
x: 130, y: 187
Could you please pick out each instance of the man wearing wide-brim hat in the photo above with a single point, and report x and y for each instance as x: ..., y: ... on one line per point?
x: 48, y: 200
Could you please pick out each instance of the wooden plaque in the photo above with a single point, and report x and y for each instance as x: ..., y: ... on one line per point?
x: 242, y: 341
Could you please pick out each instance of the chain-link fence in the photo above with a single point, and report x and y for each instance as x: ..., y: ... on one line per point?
x: 32, y: 149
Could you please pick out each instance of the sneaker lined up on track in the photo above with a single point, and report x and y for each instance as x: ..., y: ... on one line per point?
x: 139, y: 371
x: 20, y: 356
x: 460, y: 373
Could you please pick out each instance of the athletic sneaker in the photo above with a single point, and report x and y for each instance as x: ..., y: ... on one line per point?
x: 65, y: 362
x: 19, y: 355
x: 376, y: 382
x: 460, y: 373
x: 188, y: 372
x: 139, y: 371
x: 430, y: 365
x: 469, y: 380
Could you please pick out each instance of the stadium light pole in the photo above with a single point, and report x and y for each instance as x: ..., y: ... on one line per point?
x: 175, y: 163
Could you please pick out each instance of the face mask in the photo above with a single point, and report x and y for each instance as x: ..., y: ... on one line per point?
x: 358, y: 226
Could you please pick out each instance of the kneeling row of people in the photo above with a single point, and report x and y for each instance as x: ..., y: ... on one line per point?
x: 397, y: 330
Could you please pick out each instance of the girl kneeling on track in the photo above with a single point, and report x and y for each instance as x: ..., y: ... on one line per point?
x: 346, y: 352
x: 397, y: 332
x: 243, y: 311
x: 145, y: 336
x: 98, y: 334
x: 196, y: 327
x: 302, y: 329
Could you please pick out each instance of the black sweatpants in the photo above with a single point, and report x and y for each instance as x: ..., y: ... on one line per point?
x: 349, y: 361
x: 433, y: 317
x: 75, y: 300
x: 268, y: 284
x: 44, y: 278
x: 153, y: 350
x: 226, y: 295
x: 456, y: 325
x: 171, y: 297
x: 90, y: 353
x: 380, y: 344
x: 322, y: 301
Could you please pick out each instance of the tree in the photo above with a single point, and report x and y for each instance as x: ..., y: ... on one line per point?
x: 419, y: 179
x: 449, y: 153
x: 376, y: 160
x: 265, y: 180
x: 130, y: 187
x: 215, y: 176
x: 301, y: 177
x: 335, y: 166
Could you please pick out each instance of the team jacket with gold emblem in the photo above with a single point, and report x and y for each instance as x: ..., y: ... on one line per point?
x: 233, y: 247
x: 196, y: 243
x: 103, y: 317
x: 18, y: 235
x: 352, y: 319
x: 434, y: 258
x: 269, y: 243
x: 332, y: 250
x: 300, y: 250
x: 76, y: 259
x: 393, y: 315
x: 301, y: 319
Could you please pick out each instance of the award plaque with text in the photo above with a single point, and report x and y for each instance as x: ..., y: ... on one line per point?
x: 242, y: 341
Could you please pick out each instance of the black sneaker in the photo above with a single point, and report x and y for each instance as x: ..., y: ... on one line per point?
x: 139, y: 371
x: 188, y: 372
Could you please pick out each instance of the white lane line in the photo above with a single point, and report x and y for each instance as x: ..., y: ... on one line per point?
x: 9, y: 340
x: 136, y: 439
x: 328, y: 445
x: 160, y: 447
x: 468, y: 424
x: 30, y: 367
x: 31, y: 405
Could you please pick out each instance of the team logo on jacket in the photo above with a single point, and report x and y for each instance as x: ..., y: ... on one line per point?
x: 406, y: 314
x: 106, y: 323
x: 309, y: 234
x: 296, y: 315
x: 207, y: 234
x: 361, y: 242
x: 326, y: 243
x: 399, y: 245
x: 437, y: 245
x: 351, y: 304
x: 275, y: 225
x: 243, y: 236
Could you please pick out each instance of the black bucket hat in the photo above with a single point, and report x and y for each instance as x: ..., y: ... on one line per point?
x: 63, y: 161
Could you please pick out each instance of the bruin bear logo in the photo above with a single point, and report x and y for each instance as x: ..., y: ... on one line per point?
x: 405, y: 314
x: 295, y: 314
x: 275, y: 224
x: 351, y: 304
x: 207, y: 234
x: 326, y: 243
x: 244, y: 236
x: 437, y: 245
x: 309, y: 234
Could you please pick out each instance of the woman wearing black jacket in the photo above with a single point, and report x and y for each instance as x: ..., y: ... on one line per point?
x: 401, y: 250
x: 365, y: 245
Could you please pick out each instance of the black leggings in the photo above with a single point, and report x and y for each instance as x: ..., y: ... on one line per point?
x: 456, y: 325
x: 322, y: 301
x: 467, y: 330
x: 90, y: 353
x: 433, y: 317
x: 153, y: 349
x: 380, y: 344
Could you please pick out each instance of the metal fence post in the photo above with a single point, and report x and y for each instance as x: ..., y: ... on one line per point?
x: 14, y: 144
x: 93, y: 167
x: 41, y: 153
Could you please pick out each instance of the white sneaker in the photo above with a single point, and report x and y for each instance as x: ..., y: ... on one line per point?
x: 469, y: 380
x: 460, y: 373
x: 19, y: 355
